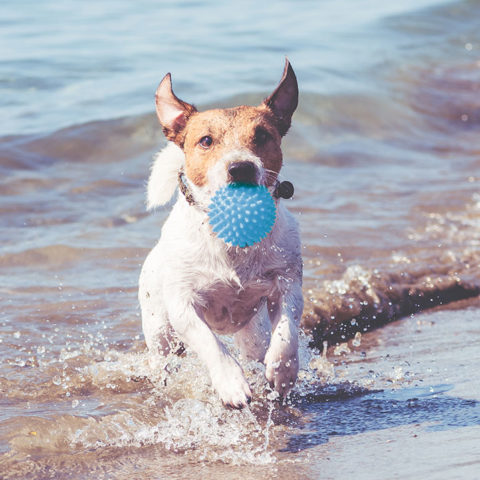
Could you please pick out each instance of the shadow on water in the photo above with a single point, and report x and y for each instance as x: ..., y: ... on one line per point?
x: 381, y: 410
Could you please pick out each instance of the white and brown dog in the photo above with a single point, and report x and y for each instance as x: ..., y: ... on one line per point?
x: 192, y: 284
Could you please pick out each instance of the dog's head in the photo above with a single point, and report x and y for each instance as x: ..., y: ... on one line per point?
x: 240, y: 144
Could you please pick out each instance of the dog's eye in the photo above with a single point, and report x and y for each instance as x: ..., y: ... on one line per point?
x: 206, y: 141
x: 261, y: 137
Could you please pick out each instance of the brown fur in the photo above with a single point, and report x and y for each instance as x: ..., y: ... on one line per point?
x: 230, y: 129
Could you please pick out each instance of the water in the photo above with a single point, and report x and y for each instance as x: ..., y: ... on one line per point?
x: 384, y: 153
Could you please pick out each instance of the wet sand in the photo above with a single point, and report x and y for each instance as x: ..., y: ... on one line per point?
x: 425, y: 423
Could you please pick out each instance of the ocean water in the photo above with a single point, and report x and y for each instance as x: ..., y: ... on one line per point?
x: 384, y: 153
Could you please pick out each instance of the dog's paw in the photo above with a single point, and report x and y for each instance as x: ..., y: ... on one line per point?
x: 231, y: 386
x: 281, y: 373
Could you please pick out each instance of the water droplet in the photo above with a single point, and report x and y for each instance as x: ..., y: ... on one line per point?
x: 357, y: 340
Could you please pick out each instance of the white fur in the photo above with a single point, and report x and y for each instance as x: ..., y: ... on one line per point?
x: 164, y: 176
x: 193, y: 285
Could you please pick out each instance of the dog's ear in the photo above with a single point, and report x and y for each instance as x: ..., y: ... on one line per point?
x: 172, y: 112
x: 284, y: 100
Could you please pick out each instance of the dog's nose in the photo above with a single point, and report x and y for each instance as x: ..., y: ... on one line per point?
x: 242, y: 172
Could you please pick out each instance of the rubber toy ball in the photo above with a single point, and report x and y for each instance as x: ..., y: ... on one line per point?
x: 242, y: 214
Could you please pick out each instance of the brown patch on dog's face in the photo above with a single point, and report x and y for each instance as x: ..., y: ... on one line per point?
x: 210, y: 135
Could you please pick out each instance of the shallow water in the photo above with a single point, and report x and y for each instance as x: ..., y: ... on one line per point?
x: 383, y: 405
x: 384, y: 153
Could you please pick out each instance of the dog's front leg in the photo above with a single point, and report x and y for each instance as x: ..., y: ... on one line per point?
x: 253, y: 339
x: 281, y: 359
x: 225, y: 373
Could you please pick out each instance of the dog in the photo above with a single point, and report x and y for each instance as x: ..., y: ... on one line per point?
x: 193, y: 285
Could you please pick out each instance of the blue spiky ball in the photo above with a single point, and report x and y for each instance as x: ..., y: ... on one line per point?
x: 242, y: 214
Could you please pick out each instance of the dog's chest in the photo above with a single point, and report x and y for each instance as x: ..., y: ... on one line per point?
x: 235, y: 295
x: 229, y: 307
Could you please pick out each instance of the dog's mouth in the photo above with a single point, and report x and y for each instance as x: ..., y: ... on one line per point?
x: 247, y: 172
x: 280, y: 189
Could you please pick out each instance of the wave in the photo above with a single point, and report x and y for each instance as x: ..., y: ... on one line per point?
x: 362, y: 300
x: 440, y: 266
x: 93, y: 142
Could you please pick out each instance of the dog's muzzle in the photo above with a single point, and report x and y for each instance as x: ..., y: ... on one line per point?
x: 243, y: 172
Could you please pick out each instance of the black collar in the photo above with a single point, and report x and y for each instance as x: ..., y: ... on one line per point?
x: 182, y: 185
x: 282, y: 189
